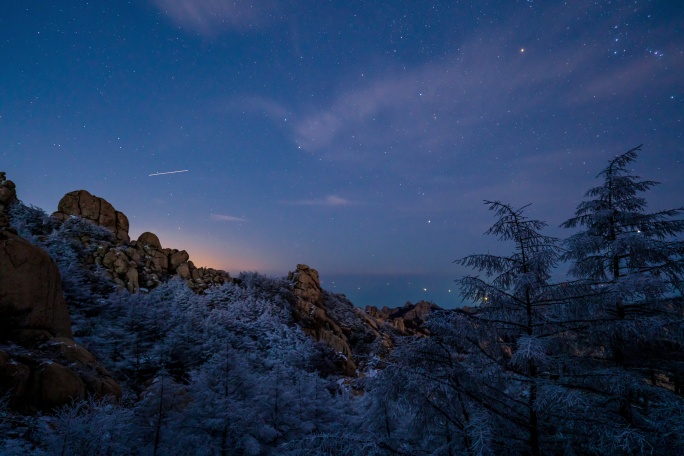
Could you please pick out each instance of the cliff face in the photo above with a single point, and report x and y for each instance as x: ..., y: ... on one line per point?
x: 313, y: 317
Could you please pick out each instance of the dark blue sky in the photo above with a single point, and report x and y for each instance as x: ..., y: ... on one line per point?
x: 357, y: 137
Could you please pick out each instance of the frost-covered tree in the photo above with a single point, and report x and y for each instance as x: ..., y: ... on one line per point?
x: 515, y: 325
x: 90, y: 427
x: 633, y: 261
x: 220, y: 417
x: 69, y: 243
x: 31, y: 222
x: 486, y: 380
x: 17, y: 431
x: 228, y: 371
x: 419, y: 403
x: 84, y: 285
x: 623, y: 245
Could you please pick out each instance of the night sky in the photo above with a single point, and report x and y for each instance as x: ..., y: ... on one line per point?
x: 357, y: 137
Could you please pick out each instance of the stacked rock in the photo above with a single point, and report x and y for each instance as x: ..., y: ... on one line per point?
x: 134, y: 265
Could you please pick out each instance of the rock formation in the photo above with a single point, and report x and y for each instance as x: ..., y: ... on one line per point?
x: 306, y: 284
x: 40, y: 363
x: 313, y: 317
x: 8, y: 196
x: 408, y: 320
x: 95, y: 209
x: 134, y: 265
x: 145, y: 264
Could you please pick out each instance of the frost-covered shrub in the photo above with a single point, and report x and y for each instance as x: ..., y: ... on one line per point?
x: 89, y: 428
x: 84, y: 285
x: 31, y: 222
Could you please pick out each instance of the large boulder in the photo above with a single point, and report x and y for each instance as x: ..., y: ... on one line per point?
x: 44, y: 375
x: 177, y: 258
x: 57, y: 385
x: 96, y: 209
x: 41, y: 366
x: 149, y: 239
x: 30, y: 289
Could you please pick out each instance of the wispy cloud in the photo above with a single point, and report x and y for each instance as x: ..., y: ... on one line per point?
x: 227, y: 218
x: 438, y: 103
x: 330, y: 200
x: 462, y: 102
x: 212, y: 17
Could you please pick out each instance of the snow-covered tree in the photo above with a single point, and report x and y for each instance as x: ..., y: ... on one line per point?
x: 632, y: 340
x: 420, y: 402
x: 17, y: 431
x: 482, y: 382
x: 90, y: 427
x: 31, y: 222
x: 515, y: 324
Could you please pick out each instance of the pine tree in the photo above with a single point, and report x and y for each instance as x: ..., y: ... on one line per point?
x: 515, y: 320
x: 486, y: 380
x: 633, y: 262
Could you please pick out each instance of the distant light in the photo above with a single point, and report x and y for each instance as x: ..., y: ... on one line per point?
x: 424, y: 289
x: 522, y: 49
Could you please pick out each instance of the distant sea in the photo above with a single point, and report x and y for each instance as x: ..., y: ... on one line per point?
x: 394, y: 290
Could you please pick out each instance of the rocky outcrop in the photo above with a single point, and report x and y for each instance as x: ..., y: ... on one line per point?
x: 133, y: 265
x: 313, y: 317
x: 40, y: 363
x: 306, y: 284
x: 144, y: 264
x: 408, y: 320
x: 8, y: 196
x: 98, y: 210
x: 361, y: 338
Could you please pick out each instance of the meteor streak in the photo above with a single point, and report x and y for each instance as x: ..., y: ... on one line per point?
x: 169, y: 172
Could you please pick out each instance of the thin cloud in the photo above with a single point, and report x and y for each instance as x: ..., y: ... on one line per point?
x: 330, y: 201
x: 473, y: 93
x: 212, y: 17
x: 227, y: 218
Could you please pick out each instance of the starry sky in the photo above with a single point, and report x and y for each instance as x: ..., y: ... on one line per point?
x: 357, y: 137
